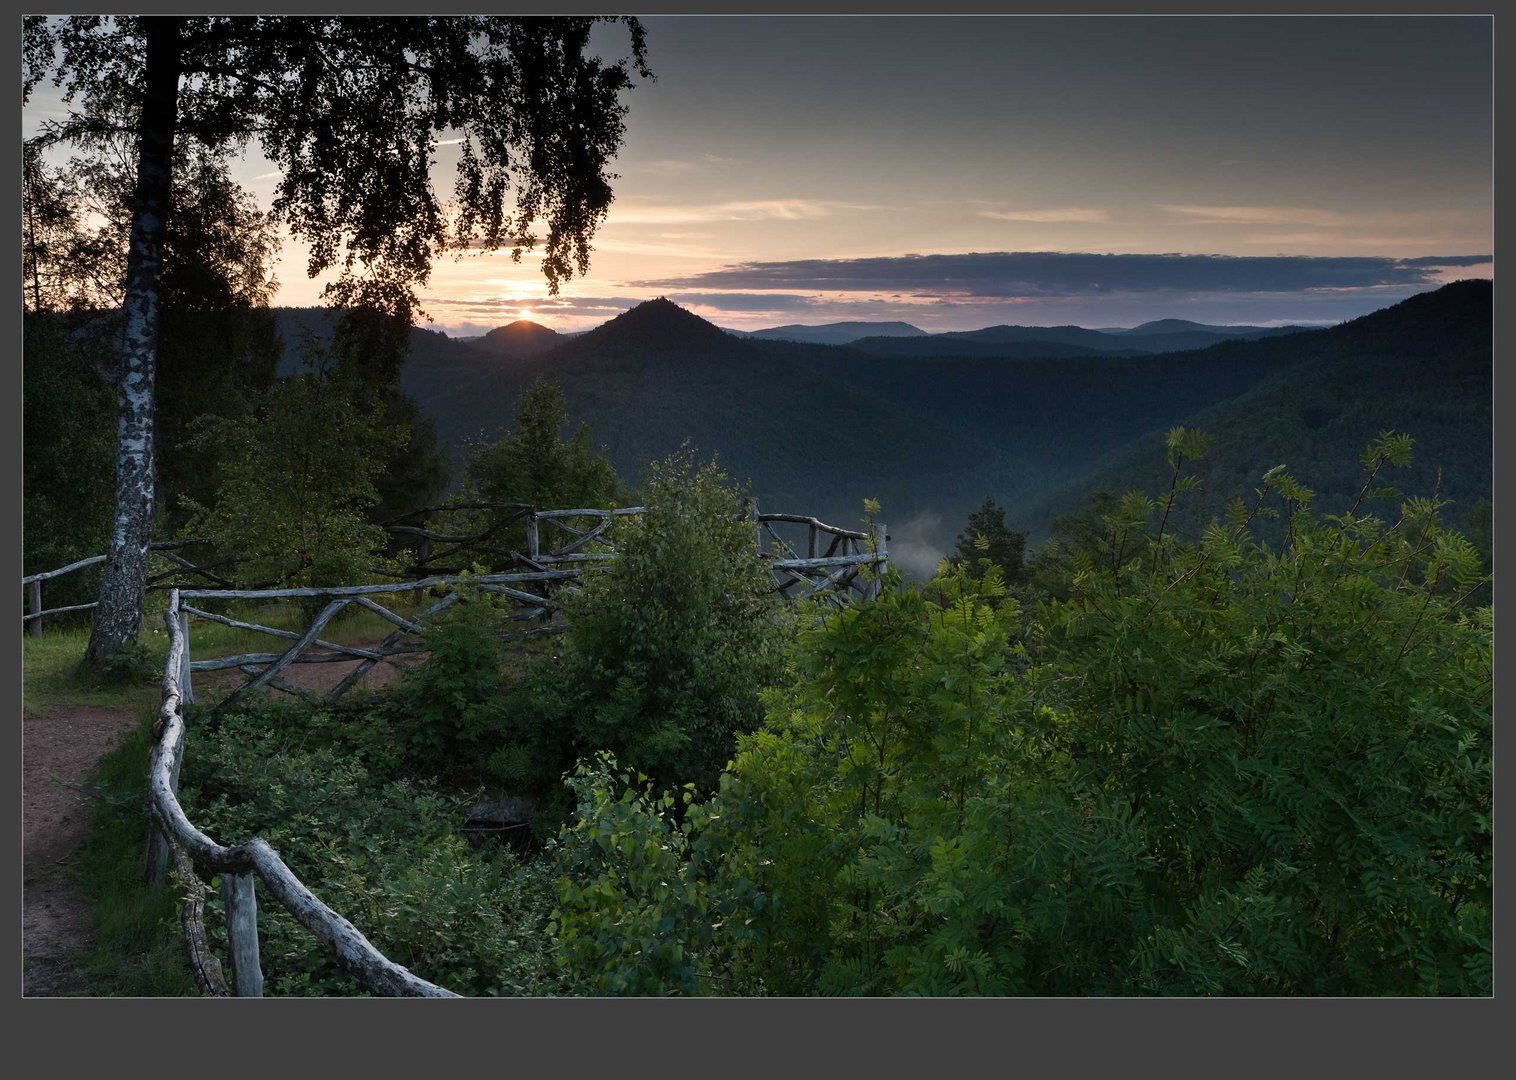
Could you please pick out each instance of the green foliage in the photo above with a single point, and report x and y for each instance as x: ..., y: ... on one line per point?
x: 296, y: 478
x: 1216, y: 767
x: 666, y: 648
x: 1303, y: 735
x: 449, y: 711
x: 381, y: 849
x: 138, y: 944
x: 135, y: 664
x: 1477, y: 524
x: 987, y: 542
x: 632, y: 914
x: 537, y: 466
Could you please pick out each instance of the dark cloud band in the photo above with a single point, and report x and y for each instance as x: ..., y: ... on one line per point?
x: 1049, y: 274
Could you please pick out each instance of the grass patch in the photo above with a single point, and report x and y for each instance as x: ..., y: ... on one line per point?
x: 139, y: 946
x: 138, y: 949
x: 54, y: 675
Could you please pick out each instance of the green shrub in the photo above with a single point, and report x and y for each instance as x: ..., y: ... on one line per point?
x: 383, y: 851
x: 448, y: 711
x: 1217, y: 767
x: 666, y: 649
x: 632, y: 913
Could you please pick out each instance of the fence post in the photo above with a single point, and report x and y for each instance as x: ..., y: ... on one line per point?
x: 882, y: 550
x: 532, y: 549
x: 34, y: 596
x: 186, y: 685
x: 423, y: 556
x: 752, y: 510
x: 242, y: 930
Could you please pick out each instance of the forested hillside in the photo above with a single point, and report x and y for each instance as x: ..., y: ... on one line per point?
x: 821, y: 428
x: 1422, y: 367
x: 783, y: 415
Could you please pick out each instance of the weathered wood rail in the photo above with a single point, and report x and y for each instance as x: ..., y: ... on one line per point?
x: 241, y: 864
x: 832, y: 572
x: 32, y: 617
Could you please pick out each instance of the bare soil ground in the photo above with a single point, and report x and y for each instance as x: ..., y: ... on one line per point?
x: 59, y: 748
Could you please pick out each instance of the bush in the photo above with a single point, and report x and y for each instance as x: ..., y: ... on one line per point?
x: 1215, y: 768
x: 382, y: 850
x: 667, y: 648
x: 632, y: 914
x: 448, y: 711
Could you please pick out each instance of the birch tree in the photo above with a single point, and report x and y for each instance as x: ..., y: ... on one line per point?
x: 350, y: 110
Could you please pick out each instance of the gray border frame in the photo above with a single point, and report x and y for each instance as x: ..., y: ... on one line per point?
x: 1191, y: 1036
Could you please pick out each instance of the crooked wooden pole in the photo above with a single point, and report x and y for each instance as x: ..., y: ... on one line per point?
x: 242, y: 931
x: 882, y: 551
x: 206, y: 967
x: 186, y: 687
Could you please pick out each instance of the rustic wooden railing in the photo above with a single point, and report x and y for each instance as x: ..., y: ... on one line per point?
x: 164, y: 580
x: 240, y: 865
x: 832, y: 574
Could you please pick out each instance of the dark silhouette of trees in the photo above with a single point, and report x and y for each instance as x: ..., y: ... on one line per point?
x: 350, y: 109
x: 987, y: 540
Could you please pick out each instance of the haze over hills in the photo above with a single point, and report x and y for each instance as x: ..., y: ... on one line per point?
x: 903, y: 339
x: 1166, y: 335
x: 818, y: 428
x: 838, y: 333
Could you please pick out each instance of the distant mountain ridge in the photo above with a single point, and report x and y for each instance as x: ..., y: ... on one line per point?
x: 838, y: 333
x: 818, y: 428
x: 903, y: 339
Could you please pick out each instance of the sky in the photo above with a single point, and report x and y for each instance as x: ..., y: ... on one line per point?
x: 959, y: 172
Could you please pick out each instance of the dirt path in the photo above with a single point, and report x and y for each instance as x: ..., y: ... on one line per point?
x: 59, y: 747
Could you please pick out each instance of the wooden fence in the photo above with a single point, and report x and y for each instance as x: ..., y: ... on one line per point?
x: 163, y: 580
x: 833, y: 573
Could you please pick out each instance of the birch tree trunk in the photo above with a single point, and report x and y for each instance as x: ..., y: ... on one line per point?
x: 119, y: 615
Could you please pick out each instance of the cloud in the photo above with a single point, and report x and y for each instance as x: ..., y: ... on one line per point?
x: 548, y: 307
x: 1255, y: 215
x: 1450, y: 260
x: 1016, y: 275
x: 669, y: 251
x: 668, y: 166
x: 664, y: 166
x: 750, y: 210
x: 1076, y: 214
x: 746, y: 302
